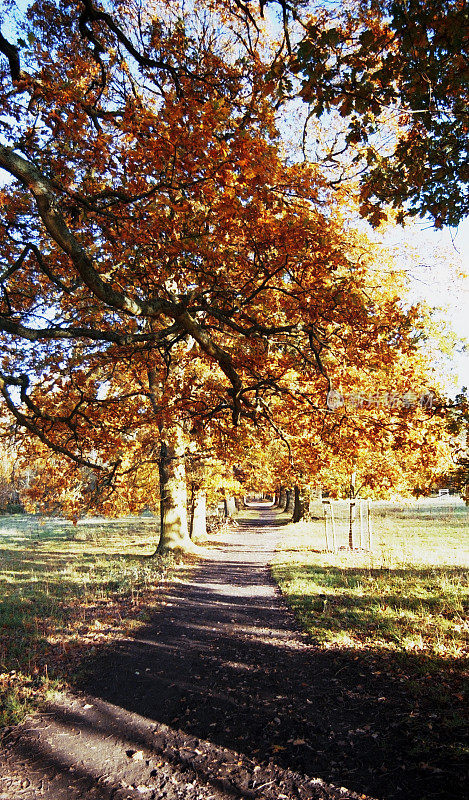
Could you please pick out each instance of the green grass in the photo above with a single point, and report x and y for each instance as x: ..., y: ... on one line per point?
x: 408, y: 593
x: 65, y: 590
x: 400, y: 607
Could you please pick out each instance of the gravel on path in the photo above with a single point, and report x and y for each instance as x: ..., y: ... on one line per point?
x: 219, y: 696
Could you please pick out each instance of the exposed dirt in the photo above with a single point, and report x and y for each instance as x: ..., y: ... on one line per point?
x: 221, y: 696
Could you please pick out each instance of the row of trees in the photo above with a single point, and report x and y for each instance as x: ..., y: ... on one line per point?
x: 180, y: 293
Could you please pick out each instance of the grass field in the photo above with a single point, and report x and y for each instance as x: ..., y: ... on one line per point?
x: 402, y: 605
x: 63, y: 591
x: 409, y: 592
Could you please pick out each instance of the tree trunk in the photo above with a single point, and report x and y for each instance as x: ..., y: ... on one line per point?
x: 198, y: 515
x: 230, y: 506
x: 298, y: 510
x: 173, y: 493
x: 287, y: 500
x: 282, y: 498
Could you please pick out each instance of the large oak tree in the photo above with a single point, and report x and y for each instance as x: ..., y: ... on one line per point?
x: 166, y: 272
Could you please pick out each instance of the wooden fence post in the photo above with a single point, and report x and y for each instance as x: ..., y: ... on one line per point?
x: 333, y: 526
x: 351, y: 521
x: 369, y: 526
x: 324, y: 505
x: 361, y: 524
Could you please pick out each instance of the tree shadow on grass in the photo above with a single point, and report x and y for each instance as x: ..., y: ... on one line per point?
x: 225, y: 662
x: 381, y: 603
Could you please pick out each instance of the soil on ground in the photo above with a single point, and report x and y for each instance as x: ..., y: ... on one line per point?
x: 222, y: 696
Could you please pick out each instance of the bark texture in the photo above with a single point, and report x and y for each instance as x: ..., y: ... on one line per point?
x: 173, y: 492
x: 199, y: 515
x: 230, y: 506
x: 298, y: 507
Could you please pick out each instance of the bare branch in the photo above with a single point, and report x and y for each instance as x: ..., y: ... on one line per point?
x: 92, y: 14
x: 13, y: 55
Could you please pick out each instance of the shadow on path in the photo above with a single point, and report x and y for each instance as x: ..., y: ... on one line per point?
x: 223, y: 665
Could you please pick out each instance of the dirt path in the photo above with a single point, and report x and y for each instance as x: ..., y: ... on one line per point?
x: 220, y: 696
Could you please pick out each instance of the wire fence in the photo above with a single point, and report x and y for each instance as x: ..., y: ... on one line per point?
x: 347, y: 523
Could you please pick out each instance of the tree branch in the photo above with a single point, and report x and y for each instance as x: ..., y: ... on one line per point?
x: 31, y: 426
x: 8, y: 325
x: 218, y: 354
x: 92, y: 14
x: 41, y: 189
x: 13, y: 55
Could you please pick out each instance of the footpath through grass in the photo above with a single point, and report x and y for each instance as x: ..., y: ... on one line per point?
x: 403, y: 604
x: 65, y: 590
